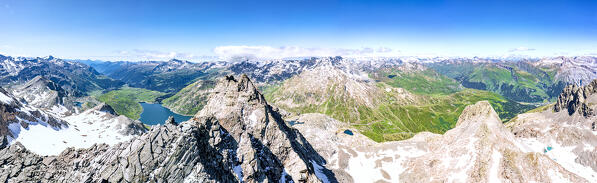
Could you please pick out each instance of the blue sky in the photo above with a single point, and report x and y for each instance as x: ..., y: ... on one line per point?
x: 159, y: 30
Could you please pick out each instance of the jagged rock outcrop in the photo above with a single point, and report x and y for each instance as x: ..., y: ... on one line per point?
x: 236, y: 137
x: 262, y: 135
x: 578, y: 100
x: 170, y: 120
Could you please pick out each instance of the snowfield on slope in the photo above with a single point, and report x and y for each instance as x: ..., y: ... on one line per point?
x: 84, y: 130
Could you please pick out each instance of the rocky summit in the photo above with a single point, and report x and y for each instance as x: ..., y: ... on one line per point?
x: 237, y: 137
x: 580, y: 100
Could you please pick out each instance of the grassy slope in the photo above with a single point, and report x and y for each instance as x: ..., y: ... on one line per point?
x: 423, y: 82
x: 396, y: 121
x: 523, y: 83
x: 190, y: 99
x: 126, y: 100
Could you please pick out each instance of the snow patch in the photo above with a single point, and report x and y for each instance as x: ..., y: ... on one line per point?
x: 496, y: 157
x: 564, y: 156
x: 363, y: 168
x: 85, y: 129
x: 5, y: 98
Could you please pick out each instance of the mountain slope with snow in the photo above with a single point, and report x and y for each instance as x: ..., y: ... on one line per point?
x: 566, y: 131
x: 479, y: 149
x: 94, y: 126
x: 16, y: 118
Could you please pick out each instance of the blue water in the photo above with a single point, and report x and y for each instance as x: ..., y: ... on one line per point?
x: 547, y: 149
x: 348, y: 132
x: 157, y: 114
x: 292, y: 123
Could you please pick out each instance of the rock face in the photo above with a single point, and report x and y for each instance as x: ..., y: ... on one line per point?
x: 41, y: 92
x: 580, y: 100
x: 16, y: 116
x: 268, y: 148
x: 236, y: 137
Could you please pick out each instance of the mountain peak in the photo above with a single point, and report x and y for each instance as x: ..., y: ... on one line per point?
x: 480, y: 111
x: 233, y: 94
x: 258, y: 130
x: 105, y: 108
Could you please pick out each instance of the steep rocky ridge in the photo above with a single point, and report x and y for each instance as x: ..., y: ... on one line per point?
x: 481, y: 149
x: 237, y: 136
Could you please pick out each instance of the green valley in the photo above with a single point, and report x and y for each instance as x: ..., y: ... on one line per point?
x: 519, y: 81
x: 393, y: 108
x: 125, y: 100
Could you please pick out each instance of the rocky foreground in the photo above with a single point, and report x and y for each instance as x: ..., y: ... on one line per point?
x: 236, y: 137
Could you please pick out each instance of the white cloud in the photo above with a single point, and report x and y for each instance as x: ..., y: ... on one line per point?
x: 521, y: 49
x: 295, y: 51
x: 139, y: 54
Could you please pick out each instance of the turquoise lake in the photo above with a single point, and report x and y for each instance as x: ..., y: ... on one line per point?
x: 154, y: 114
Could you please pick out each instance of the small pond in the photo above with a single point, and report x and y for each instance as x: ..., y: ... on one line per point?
x: 157, y: 114
x: 348, y: 132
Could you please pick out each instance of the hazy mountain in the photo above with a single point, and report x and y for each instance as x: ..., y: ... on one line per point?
x: 169, y: 77
x: 76, y: 78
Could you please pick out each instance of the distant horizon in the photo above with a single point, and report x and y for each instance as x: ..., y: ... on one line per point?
x: 237, y: 59
x: 191, y: 30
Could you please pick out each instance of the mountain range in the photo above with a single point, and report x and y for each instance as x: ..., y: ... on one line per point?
x: 320, y: 119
